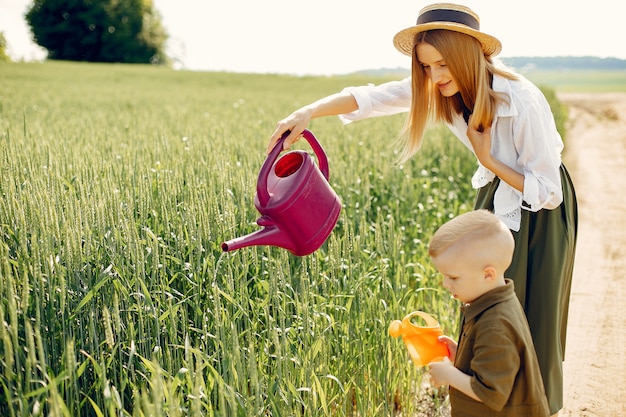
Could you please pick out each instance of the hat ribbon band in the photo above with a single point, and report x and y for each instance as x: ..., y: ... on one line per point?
x: 453, y: 16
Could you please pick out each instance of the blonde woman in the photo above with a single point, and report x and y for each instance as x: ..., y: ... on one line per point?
x: 506, y: 122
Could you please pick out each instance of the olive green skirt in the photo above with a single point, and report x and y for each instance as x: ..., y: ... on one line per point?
x: 542, y: 269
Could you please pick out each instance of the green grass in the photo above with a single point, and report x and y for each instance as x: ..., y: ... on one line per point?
x: 119, y: 184
x: 580, y: 80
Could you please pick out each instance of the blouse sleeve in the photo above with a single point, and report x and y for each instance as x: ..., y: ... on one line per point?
x: 379, y: 100
x: 538, y: 146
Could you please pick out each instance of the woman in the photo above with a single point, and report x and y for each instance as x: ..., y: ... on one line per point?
x: 507, y: 123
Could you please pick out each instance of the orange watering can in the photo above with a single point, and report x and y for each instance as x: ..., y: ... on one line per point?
x: 420, y: 341
x: 298, y: 207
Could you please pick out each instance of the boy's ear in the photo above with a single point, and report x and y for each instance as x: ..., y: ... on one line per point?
x: 490, y: 273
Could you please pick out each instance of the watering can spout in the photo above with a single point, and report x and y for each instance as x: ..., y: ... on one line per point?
x: 270, y: 235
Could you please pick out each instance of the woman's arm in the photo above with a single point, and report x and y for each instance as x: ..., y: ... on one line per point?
x: 481, y: 142
x: 352, y: 103
x: 296, y: 122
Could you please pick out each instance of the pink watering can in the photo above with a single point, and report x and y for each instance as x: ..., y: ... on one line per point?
x: 298, y: 207
x: 420, y: 341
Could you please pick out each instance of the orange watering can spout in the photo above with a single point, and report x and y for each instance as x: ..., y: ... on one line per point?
x: 421, y: 342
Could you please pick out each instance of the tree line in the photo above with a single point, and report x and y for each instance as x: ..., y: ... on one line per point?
x: 128, y: 31
x: 567, y: 63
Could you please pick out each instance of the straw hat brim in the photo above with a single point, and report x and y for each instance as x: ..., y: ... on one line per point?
x: 404, y: 40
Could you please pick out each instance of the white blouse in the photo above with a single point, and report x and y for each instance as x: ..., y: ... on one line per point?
x: 523, y: 136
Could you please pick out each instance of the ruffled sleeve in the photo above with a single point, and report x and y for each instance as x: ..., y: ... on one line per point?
x: 539, y: 158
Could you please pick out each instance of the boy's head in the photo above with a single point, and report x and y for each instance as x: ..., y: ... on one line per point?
x: 472, y: 251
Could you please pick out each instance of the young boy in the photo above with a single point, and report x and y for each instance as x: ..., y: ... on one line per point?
x: 495, y: 370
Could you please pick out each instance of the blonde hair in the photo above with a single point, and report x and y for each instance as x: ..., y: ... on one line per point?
x: 475, y: 226
x: 473, y: 72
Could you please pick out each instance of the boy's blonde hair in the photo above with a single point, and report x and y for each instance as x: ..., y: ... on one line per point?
x: 480, y: 229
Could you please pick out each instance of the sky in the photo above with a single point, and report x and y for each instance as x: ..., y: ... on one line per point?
x: 326, y: 37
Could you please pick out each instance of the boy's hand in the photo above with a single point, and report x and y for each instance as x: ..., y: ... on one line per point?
x: 444, y: 373
x: 441, y: 372
x: 451, y: 344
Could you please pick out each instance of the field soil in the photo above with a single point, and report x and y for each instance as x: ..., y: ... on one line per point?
x: 595, y: 358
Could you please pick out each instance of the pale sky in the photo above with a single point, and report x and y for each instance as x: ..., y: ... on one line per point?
x: 324, y: 37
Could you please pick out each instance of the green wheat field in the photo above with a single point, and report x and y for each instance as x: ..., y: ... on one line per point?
x: 118, y: 185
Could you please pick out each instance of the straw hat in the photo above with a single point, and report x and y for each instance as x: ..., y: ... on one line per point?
x: 450, y: 17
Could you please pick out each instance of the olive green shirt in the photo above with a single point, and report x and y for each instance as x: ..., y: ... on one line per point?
x: 496, y: 350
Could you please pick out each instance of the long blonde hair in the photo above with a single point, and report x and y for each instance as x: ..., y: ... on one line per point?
x: 473, y: 72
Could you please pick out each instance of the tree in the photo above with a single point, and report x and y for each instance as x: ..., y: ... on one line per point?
x: 127, y: 31
x: 3, y: 49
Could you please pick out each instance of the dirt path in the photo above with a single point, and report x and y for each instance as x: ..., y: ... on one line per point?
x: 595, y: 362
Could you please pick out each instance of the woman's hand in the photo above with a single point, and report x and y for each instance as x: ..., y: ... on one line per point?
x: 296, y: 122
x: 481, y: 143
x: 480, y: 138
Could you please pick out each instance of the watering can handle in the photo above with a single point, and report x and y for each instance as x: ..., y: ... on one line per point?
x: 322, y: 160
x: 261, y: 186
x: 430, y: 320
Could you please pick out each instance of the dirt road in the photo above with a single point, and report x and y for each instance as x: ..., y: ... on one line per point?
x: 595, y: 361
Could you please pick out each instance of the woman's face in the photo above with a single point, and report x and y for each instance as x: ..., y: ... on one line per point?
x: 435, y: 67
